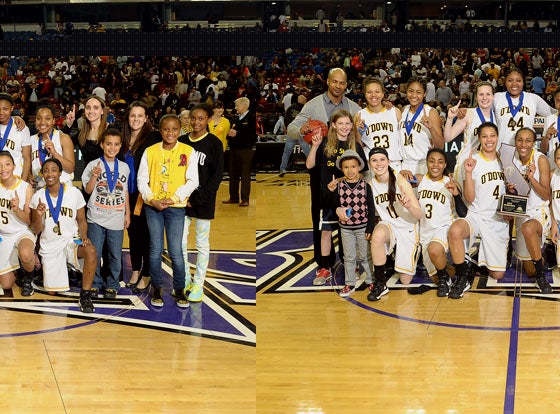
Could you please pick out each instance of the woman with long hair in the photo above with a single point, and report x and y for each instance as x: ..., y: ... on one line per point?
x: 399, y: 212
x: 137, y: 135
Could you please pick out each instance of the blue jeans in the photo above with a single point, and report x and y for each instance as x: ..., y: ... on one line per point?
x: 99, y: 236
x: 289, y: 148
x: 172, y: 220
x: 202, y: 229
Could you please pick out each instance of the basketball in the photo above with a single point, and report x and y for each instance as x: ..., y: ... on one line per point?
x: 316, y: 125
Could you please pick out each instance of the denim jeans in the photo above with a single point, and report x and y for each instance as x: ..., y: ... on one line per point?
x: 289, y: 148
x: 171, y: 219
x: 100, y: 236
x: 202, y: 229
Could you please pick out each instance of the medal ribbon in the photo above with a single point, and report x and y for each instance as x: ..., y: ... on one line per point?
x: 111, y: 177
x: 55, y: 211
x: 481, y: 116
x: 408, y: 125
x: 515, y: 109
x: 42, y: 152
x: 6, y: 133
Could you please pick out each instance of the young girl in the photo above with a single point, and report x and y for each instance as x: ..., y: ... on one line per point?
x: 379, y: 124
x: 399, y: 211
x: 108, y: 213
x: 437, y: 194
x: 57, y: 212
x: 468, y: 125
x: 352, y: 199
x: 167, y: 176
x: 420, y: 129
x: 323, y: 153
x: 49, y: 142
x: 531, y: 230
x: 483, y: 185
x: 202, y: 202
x: 17, y: 242
x: 515, y: 109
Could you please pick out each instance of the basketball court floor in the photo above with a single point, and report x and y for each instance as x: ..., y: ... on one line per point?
x: 493, y: 351
x: 130, y: 357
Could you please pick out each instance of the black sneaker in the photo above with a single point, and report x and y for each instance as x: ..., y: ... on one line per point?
x: 181, y: 299
x: 157, y: 299
x: 542, y: 285
x: 458, y: 288
x: 443, y: 287
x: 110, y: 294
x: 27, y: 288
x: 379, y: 289
x: 86, y: 304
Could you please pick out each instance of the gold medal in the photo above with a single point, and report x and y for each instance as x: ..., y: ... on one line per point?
x: 56, y: 229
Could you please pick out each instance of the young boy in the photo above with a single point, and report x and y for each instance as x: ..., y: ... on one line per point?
x: 353, y: 200
x: 108, y: 212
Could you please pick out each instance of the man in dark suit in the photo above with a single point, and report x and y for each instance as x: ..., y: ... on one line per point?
x: 241, y: 137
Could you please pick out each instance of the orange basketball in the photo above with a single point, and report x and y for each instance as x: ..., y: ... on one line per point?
x: 316, y: 125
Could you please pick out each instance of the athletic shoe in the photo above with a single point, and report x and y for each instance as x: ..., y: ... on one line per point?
x: 157, y: 299
x: 460, y: 286
x: 189, y: 285
x: 542, y: 284
x: 443, y: 286
x: 27, y: 288
x: 379, y: 289
x: 181, y: 299
x: 196, y: 293
x: 110, y: 294
x: 346, y: 291
x: 86, y: 304
x: 321, y: 276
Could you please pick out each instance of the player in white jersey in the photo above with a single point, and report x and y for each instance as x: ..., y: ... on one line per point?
x: 531, y: 231
x: 420, y: 129
x: 16, y: 141
x: 483, y: 185
x: 399, y: 211
x: 550, y: 140
x: 377, y: 125
x: 50, y: 143
x: 58, y: 214
x: 555, y: 204
x: 17, y: 243
x: 468, y: 125
x: 515, y: 109
x: 437, y: 194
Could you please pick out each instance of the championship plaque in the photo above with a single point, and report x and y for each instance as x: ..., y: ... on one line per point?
x: 513, y: 204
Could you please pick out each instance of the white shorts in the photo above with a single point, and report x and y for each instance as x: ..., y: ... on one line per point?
x: 9, y: 259
x: 55, y: 271
x: 417, y: 167
x: 438, y: 235
x: 494, y: 239
x: 406, y: 252
x: 542, y: 216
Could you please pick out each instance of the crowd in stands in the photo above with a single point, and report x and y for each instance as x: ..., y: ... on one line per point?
x: 272, y: 82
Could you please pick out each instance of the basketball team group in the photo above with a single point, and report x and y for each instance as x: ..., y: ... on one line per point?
x: 380, y: 176
x: 148, y: 181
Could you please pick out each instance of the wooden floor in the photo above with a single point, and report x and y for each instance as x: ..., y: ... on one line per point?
x: 200, y: 360
x: 494, y: 351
